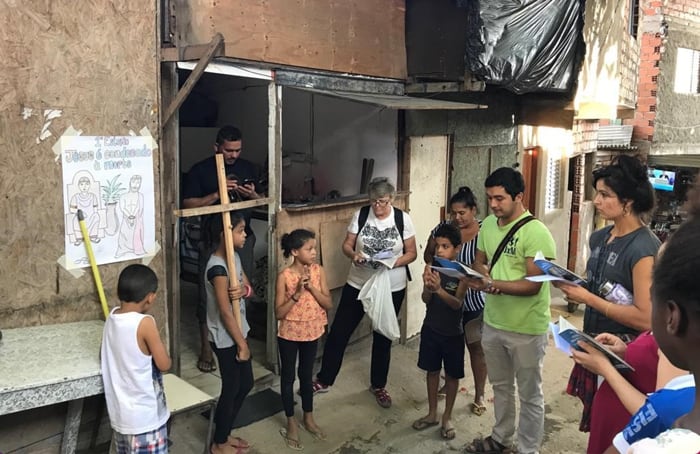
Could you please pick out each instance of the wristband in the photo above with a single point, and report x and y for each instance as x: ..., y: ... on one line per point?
x: 248, y: 290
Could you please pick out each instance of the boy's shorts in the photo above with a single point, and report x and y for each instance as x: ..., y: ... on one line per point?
x: 473, y: 324
x: 154, y: 442
x: 436, y: 349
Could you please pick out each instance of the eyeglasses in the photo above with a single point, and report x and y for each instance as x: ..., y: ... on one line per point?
x: 380, y: 202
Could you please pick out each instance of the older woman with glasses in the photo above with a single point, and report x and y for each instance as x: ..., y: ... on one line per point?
x: 372, y: 230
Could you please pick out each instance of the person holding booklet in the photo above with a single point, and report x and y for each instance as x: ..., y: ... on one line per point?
x: 463, y: 216
x: 676, y: 326
x: 441, y: 337
x: 373, y: 229
x: 622, y: 393
x: 516, y: 314
x: 618, y: 273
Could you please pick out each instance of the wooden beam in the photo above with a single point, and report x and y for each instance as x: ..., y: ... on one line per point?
x: 188, y: 53
x: 228, y: 238
x: 216, y: 42
x: 434, y: 87
x: 189, y: 212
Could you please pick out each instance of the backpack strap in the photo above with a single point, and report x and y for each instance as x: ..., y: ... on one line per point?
x: 398, y: 220
x: 362, y: 219
x: 509, y: 236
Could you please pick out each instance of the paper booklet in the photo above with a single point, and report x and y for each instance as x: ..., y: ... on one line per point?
x: 454, y: 268
x: 554, y: 272
x: 385, y: 257
x: 566, y: 336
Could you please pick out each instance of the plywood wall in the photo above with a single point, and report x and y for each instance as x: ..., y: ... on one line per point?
x: 96, y: 62
x: 354, y: 36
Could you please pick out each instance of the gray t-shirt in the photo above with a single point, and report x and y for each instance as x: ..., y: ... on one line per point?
x: 614, y: 262
x: 216, y: 266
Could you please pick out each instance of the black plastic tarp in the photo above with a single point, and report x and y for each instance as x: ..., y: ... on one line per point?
x: 524, y: 45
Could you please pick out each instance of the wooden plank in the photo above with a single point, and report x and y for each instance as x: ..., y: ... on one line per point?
x: 213, y: 209
x: 216, y: 42
x: 169, y: 164
x: 228, y: 236
x: 335, y: 263
x: 353, y: 36
x: 189, y: 53
x: 274, y: 172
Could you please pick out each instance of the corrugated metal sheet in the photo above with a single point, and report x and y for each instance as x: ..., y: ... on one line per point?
x: 397, y: 102
x: 679, y: 160
x: 615, y: 136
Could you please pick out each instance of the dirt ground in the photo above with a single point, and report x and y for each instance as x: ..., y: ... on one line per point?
x: 355, y: 424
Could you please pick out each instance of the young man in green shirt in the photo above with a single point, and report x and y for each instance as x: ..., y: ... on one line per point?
x: 516, y: 315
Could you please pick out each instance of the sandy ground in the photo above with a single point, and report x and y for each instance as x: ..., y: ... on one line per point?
x: 355, y: 424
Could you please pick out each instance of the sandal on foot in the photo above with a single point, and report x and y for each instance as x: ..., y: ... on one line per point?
x: 478, y: 408
x: 291, y: 443
x: 382, y: 396
x: 448, y: 433
x: 206, y: 365
x: 423, y: 423
x: 238, y: 442
x: 486, y: 446
x: 317, y: 434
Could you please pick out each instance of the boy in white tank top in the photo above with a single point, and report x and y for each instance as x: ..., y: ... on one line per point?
x: 133, y: 358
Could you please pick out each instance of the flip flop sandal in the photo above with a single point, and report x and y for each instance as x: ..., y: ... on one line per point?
x: 422, y: 423
x: 317, y: 434
x: 448, y: 433
x: 486, y: 446
x: 478, y: 409
x: 291, y: 443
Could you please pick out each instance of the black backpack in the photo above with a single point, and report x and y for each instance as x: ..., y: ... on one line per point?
x: 398, y: 220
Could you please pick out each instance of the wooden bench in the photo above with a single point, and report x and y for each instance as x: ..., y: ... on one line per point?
x: 182, y: 397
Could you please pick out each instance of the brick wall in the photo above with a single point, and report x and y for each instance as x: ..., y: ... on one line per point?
x: 649, y: 58
x: 656, y: 17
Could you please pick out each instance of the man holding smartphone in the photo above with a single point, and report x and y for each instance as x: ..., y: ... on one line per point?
x: 201, y: 188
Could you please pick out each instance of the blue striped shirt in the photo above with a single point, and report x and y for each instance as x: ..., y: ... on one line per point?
x: 473, y: 300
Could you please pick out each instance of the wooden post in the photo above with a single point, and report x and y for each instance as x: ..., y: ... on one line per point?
x: 228, y: 236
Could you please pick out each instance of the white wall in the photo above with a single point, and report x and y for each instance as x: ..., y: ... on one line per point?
x: 429, y: 183
x: 326, y: 138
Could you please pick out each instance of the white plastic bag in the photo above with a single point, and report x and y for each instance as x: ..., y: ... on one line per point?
x: 378, y: 304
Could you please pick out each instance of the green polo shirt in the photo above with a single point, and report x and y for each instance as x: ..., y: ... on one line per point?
x: 519, y: 314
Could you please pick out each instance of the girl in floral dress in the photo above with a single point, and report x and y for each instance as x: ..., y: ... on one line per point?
x: 301, y: 304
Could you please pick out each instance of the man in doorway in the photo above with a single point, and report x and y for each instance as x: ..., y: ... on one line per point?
x: 516, y: 314
x: 201, y: 188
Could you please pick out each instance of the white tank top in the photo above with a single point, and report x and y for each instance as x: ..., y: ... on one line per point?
x: 133, y: 384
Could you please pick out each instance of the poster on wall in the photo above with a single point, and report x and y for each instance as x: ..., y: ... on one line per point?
x: 109, y: 178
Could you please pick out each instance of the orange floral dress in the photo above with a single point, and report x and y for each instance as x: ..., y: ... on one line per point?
x: 306, y: 320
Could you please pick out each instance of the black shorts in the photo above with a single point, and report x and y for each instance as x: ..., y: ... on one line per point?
x: 436, y: 349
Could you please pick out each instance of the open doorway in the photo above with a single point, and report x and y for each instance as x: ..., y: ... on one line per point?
x: 219, y: 100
